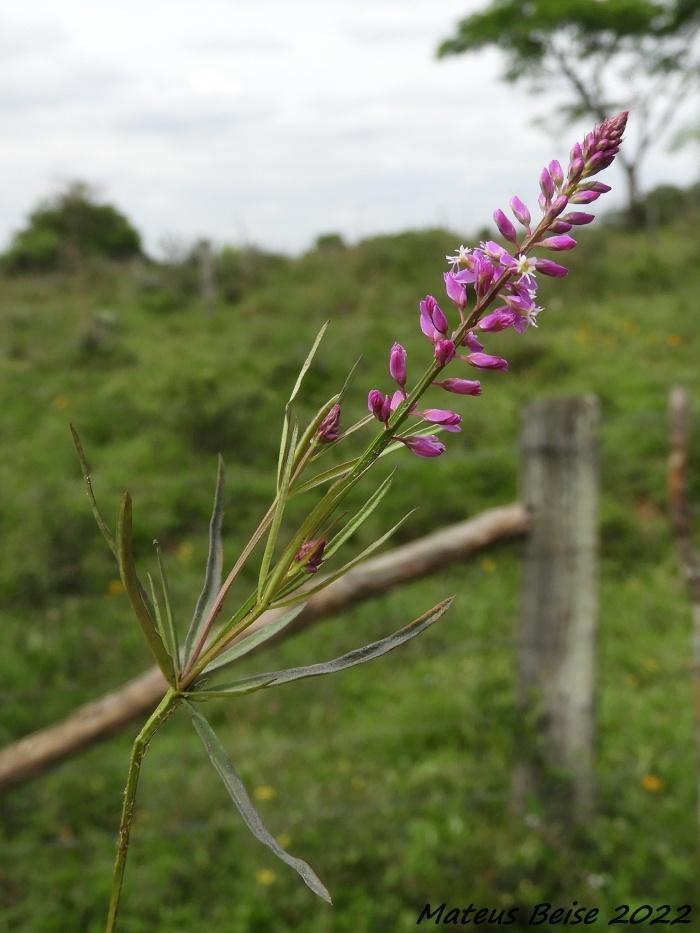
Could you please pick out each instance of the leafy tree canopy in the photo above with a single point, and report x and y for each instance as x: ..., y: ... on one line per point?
x: 639, y: 55
x: 68, y: 226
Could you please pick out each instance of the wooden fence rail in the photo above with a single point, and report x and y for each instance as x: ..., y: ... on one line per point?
x: 37, y: 753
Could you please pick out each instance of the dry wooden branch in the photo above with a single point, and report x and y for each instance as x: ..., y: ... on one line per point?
x: 36, y: 753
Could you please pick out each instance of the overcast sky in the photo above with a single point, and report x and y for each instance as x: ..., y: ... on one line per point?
x: 267, y: 121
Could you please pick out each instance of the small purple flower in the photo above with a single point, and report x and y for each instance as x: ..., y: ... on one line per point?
x: 485, y: 361
x: 379, y: 405
x: 428, y: 446
x: 578, y: 218
x: 460, y: 386
x: 546, y: 185
x: 310, y: 554
x: 448, y: 420
x: 505, y: 227
x: 556, y: 173
x: 549, y: 267
x: 456, y: 291
x: 585, y: 197
x: 521, y: 212
x: 558, y: 243
x: 559, y: 226
x: 328, y: 430
x: 397, y: 364
x: 444, y: 351
x: 499, y: 319
x: 558, y: 205
x: 433, y: 322
x: 469, y: 340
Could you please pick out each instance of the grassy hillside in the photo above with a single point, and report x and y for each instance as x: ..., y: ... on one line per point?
x: 392, y: 780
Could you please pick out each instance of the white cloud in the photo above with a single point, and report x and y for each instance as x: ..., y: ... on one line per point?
x: 265, y: 119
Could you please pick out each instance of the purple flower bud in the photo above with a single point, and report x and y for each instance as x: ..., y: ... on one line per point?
x: 460, y: 386
x: 328, y: 429
x: 311, y: 554
x: 486, y: 361
x: 584, y: 197
x: 556, y: 172
x: 397, y: 364
x: 498, y: 319
x: 558, y: 242
x: 546, y: 184
x: 505, y: 226
x: 432, y: 318
x: 598, y: 186
x: 559, y: 226
x: 495, y: 251
x: 548, y: 267
x: 578, y: 218
x: 379, y: 405
x: 448, y: 420
x: 558, y: 205
x: 542, y: 202
x: 576, y: 152
x: 455, y: 291
x: 444, y: 351
x: 520, y: 211
x: 423, y: 446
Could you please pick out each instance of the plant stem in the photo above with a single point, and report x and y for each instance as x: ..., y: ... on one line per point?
x: 138, y: 750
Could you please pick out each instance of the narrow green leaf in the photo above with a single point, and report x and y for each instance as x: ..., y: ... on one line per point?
x: 361, y: 516
x: 135, y: 592
x: 101, y: 523
x: 156, y: 607
x: 284, y: 446
x: 307, y: 362
x: 281, y: 502
x: 332, y: 577
x: 168, y: 624
x: 358, y: 656
x: 334, y: 472
x: 215, y: 562
x: 239, y: 795
x: 251, y: 640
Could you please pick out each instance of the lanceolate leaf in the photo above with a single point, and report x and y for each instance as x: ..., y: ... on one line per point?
x: 215, y: 562
x: 282, y: 496
x: 137, y: 597
x: 252, y: 639
x: 351, y: 659
x: 101, y: 523
x: 361, y: 516
x: 238, y: 794
x: 307, y: 362
x: 168, y: 623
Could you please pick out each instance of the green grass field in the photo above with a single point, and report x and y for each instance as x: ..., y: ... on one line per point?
x: 393, y: 779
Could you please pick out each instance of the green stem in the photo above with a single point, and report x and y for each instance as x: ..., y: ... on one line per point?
x: 138, y: 750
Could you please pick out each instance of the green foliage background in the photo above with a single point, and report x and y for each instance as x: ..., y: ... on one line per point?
x: 391, y: 780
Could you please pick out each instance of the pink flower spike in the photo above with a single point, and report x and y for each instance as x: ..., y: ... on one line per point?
x: 578, y: 218
x: 456, y: 292
x: 397, y: 364
x: 558, y: 243
x: 520, y: 210
x: 328, y: 428
x: 428, y: 446
x: 505, y: 226
x: 486, y: 361
x: 498, y: 319
x: 460, y: 386
x: 448, y: 420
x: 548, y: 267
x: 444, y: 352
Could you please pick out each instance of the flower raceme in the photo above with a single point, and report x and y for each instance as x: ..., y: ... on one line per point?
x: 491, y: 272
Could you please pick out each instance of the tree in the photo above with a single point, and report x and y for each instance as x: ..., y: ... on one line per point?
x: 609, y: 55
x: 67, y: 227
